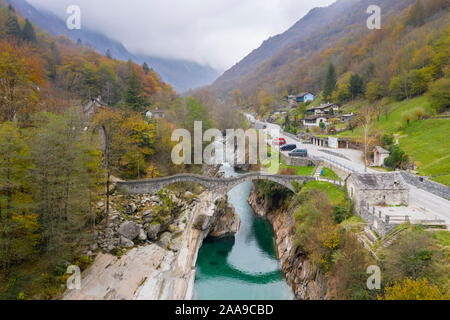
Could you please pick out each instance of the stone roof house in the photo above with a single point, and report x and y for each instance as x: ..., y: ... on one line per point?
x: 378, y: 189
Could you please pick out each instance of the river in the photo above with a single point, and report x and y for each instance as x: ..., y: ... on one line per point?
x: 243, y: 267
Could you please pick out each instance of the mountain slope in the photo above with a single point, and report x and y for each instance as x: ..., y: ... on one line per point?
x: 183, y: 75
x: 319, y: 29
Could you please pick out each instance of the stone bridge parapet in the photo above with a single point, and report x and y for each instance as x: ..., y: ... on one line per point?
x: 213, y: 184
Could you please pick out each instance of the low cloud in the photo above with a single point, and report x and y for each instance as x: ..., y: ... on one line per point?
x: 218, y: 33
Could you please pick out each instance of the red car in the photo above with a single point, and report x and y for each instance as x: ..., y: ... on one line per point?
x: 279, y: 142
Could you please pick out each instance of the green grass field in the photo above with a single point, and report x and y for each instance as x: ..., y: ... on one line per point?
x: 330, y: 174
x: 273, y: 168
x: 426, y: 141
x: 336, y: 194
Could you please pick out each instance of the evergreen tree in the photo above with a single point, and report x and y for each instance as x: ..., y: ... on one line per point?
x: 108, y: 54
x: 28, y: 33
x: 146, y: 68
x: 133, y: 96
x: 416, y: 15
x: 79, y: 42
x: 356, y: 85
x: 12, y: 26
x: 330, y: 82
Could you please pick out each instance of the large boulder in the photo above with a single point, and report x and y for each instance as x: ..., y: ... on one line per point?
x: 129, y: 230
x: 142, y: 235
x: 153, y: 231
x: 124, y: 242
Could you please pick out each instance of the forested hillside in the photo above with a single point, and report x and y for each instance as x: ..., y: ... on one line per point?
x: 395, y: 79
x: 183, y: 75
x: 55, y: 165
x: 300, y: 62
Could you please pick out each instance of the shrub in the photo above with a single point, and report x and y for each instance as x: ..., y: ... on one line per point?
x: 419, y: 113
x: 410, y: 289
x: 397, y: 158
x: 288, y: 171
x: 407, y: 117
x: 439, y: 94
x: 387, y: 140
x: 340, y: 214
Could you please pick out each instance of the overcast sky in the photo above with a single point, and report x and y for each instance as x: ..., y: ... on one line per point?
x: 218, y: 33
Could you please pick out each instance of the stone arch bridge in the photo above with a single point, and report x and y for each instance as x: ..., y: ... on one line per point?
x: 222, y: 185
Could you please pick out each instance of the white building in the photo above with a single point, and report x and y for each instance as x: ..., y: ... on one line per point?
x: 379, y: 155
x: 315, y: 120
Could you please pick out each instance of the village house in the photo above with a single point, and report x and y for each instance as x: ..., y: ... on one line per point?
x: 157, y: 114
x: 294, y: 100
x: 347, y: 117
x: 315, y: 120
x: 324, y: 109
x: 379, y: 155
x: 378, y: 189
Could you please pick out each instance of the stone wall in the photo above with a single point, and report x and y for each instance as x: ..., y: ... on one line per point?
x: 377, y: 197
x: 427, y: 185
x: 375, y: 221
x: 298, y: 161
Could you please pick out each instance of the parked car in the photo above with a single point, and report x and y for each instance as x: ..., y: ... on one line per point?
x: 289, y: 147
x: 279, y: 142
x: 299, y: 153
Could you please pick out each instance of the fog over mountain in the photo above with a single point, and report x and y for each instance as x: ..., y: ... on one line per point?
x: 217, y: 33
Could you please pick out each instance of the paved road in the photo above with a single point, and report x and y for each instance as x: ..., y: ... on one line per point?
x: 419, y: 198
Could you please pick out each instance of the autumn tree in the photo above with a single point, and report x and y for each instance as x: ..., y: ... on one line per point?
x: 21, y: 77
x: 64, y: 164
x: 439, y: 94
x: 412, y: 256
x: 413, y: 289
x: 128, y: 144
x: 317, y: 233
x: 349, y: 275
x: 18, y: 221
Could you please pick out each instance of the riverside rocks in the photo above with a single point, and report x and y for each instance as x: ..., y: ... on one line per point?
x: 140, y: 218
x: 307, y: 282
x: 161, y: 269
x: 227, y: 222
x: 129, y: 230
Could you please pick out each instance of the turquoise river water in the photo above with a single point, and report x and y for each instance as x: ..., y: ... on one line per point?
x: 243, y: 267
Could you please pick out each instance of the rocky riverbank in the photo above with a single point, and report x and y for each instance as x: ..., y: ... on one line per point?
x: 149, y: 248
x: 307, y: 282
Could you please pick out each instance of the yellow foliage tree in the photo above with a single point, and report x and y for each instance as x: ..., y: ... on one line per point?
x: 410, y: 289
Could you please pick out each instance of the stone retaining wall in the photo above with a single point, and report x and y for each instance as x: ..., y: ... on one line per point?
x: 299, y: 161
x: 427, y: 185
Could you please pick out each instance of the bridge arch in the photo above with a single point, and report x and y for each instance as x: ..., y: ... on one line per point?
x: 222, y: 185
